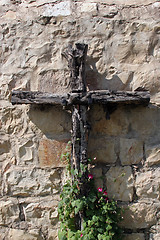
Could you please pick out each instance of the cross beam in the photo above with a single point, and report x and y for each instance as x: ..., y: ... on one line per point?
x: 79, y: 100
x: 91, y: 97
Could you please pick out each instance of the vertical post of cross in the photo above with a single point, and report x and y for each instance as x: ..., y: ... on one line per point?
x: 76, y: 62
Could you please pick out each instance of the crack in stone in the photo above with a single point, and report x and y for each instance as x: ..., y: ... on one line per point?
x: 21, y: 212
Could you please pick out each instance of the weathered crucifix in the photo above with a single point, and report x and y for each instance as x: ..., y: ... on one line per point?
x: 79, y: 99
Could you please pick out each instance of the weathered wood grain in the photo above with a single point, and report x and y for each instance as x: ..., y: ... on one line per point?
x: 76, y: 62
x: 102, y: 97
x: 29, y: 97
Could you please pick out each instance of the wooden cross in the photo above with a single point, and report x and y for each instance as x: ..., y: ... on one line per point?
x: 79, y: 99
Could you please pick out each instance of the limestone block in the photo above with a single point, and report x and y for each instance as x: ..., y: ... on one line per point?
x: 50, y: 153
x: 147, y: 184
x: 40, y: 212
x: 143, y: 122
x: 17, y: 234
x: 33, y: 210
x: 136, y: 10
x: 101, y: 149
x: 120, y: 183
x: 51, y: 80
x: 151, y: 82
x: 154, y: 236
x: 3, y: 231
x: 14, y: 120
x: 108, y: 11
x: 26, y: 152
x: 51, y: 120
x: 10, y: 15
x: 152, y: 155
x: 9, y: 212
x: 87, y: 7
x: 29, y: 182
x: 59, y: 9
x: 53, y: 214
x: 4, y: 2
x: 115, y: 126
x: 53, y: 234
x: 41, y: 215
x: 131, y: 151
x: 139, y: 215
x: 155, y: 229
x: 149, y: 12
x: 134, y: 236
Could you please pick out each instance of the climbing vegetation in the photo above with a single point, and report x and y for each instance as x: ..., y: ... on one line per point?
x: 100, y: 215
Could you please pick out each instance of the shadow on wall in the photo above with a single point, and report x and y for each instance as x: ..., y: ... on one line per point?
x: 99, y: 81
x: 55, y: 124
x: 53, y: 121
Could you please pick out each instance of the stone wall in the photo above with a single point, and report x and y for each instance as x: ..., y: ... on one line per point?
x: 124, y: 54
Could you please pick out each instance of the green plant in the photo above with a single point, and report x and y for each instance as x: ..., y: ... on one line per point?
x: 100, y: 214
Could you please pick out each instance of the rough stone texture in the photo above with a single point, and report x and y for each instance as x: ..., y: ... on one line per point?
x: 101, y: 149
x: 117, y: 124
x: 139, y: 215
x: 16, y: 234
x: 59, y: 9
x: 50, y: 153
x: 120, y: 183
x: 123, y: 54
x: 131, y: 151
x: 154, y: 236
x: 9, y: 213
x: 152, y: 155
x: 147, y: 184
x: 155, y: 231
x: 27, y: 182
x: 87, y: 7
x: 52, y: 121
x: 29, y: 218
x: 143, y: 122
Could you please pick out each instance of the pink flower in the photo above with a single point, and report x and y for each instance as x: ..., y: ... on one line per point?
x: 106, y: 198
x: 90, y: 176
x: 81, y: 235
x: 100, y: 189
x: 95, y: 158
x: 105, y: 193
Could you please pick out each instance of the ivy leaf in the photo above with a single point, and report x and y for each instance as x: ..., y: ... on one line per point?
x: 61, y: 235
x: 92, y: 198
x: 109, y: 227
x: 76, y: 210
x: 94, y: 218
x: 100, y: 230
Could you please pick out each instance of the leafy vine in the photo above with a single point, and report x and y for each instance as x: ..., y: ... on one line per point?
x: 101, y: 215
